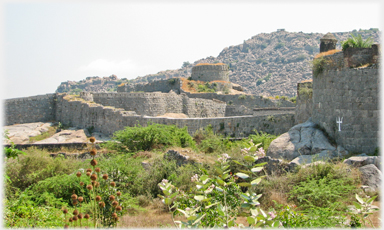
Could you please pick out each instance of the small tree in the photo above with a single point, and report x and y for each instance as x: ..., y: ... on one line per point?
x: 185, y: 64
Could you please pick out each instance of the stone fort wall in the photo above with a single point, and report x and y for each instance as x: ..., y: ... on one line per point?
x: 341, y: 91
x: 30, y: 109
x: 210, y: 72
x: 108, y: 119
x: 156, y: 103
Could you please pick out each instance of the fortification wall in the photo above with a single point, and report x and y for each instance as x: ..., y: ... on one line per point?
x: 210, y: 73
x: 304, y: 102
x: 163, y: 86
x: 30, y: 109
x: 248, y: 101
x: 107, y: 120
x: 352, y: 94
x: 156, y: 104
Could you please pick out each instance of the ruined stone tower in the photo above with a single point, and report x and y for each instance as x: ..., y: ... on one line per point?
x: 328, y: 42
x: 210, y: 72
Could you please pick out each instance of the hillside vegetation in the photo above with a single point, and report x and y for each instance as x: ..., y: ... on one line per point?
x: 218, y: 184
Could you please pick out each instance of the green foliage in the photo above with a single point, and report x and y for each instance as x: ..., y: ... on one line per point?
x: 279, y: 45
x: 321, y: 192
x: 217, y: 199
x: 305, y: 91
x: 242, y: 96
x: 357, y: 42
x: 35, y: 166
x: 172, y: 81
x: 293, y: 99
x: 206, y: 88
x: 318, y: 65
x: 264, y: 139
x: 185, y: 64
x: 363, y: 209
x: 51, y: 131
x: 209, y: 142
x: 153, y: 136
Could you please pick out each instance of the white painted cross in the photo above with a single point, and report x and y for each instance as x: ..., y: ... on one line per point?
x: 339, y: 121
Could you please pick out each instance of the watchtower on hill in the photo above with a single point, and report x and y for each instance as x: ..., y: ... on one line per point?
x: 210, y: 72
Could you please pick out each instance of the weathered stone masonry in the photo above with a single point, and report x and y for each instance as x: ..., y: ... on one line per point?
x: 342, y: 91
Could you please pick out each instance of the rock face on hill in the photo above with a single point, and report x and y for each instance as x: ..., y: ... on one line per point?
x: 267, y: 64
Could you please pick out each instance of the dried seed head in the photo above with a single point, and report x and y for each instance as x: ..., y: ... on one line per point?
x: 98, y: 198
x: 78, y: 174
x: 97, y: 184
x: 76, y: 212
x: 113, y: 184
x: 88, y: 173
x: 119, y: 208
x: 92, y: 139
x: 74, y: 218
x: 93, y: 162
x: 70, y: 219
x: 101, y: 204
x: 65, y: 211
x: 66, y: 226
x: 118, y: 193
x: 111, y: 197
x: 89, y: 187
x: 81, y: 183
x: 105, y: 176
x: 116, y: 219
x: 80, y: 216
x: 114, y: 215
x: 74, y: 196
x: 93, y: 152
x: 115, y: 203
x: 89, y: 170
x: 97, y: 170
x: 86, y: 216
x: 94, y: 177
x: 74, y: 202
x: 80, y: 199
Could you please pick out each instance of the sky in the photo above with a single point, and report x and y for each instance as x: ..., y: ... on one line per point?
x: 45, y: 43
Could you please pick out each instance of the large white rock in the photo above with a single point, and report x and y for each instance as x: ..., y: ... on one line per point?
x: 302, y: 140
x: 371, y: 176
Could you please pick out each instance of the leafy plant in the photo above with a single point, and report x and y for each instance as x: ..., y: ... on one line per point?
x: 242, y: 97
x: 357, y: 42
x: 364, y: 208
x: 153, y: 136
x: 318, y: 65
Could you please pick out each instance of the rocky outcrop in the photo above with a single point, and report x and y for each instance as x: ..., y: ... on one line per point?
x: 20, y: 133
x: 267, y: 64
x: 91, y: 84
x: 304, y: 142
x: 370, y: 176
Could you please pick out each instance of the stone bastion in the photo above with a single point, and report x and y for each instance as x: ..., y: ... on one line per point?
x: 210, y: 72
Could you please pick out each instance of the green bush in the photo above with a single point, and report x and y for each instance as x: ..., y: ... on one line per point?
x: 242, y: 97
x: 35, y: 166
x: 357, y: 42
x: 153, y: 136
x: 264, y: 138
x: 318, y: 65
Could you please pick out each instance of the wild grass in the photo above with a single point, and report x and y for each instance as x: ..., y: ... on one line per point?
x: 51, y: 131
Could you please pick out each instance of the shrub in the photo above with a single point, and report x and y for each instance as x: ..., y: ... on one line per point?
x: 242, y: 97
x: 264, y: 138
x: 279, y: 45
x: 318, y: 65
x: 35, y: 166
x: 153, y: 136
x: 356, y: 42
x: 305, y: 91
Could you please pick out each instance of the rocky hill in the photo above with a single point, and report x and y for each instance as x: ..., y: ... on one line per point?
x: 267, y: 64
